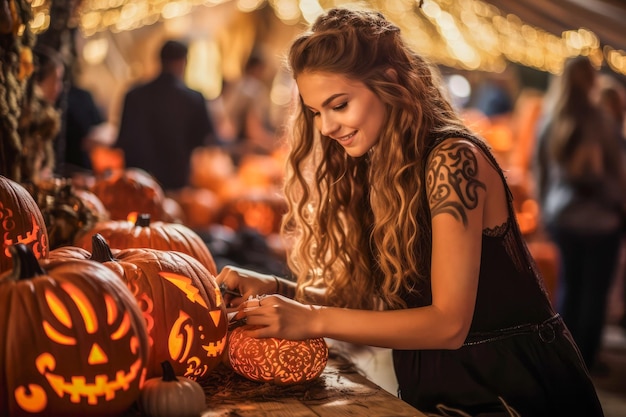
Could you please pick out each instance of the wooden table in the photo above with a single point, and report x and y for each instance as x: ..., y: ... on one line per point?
x: 339, y: 391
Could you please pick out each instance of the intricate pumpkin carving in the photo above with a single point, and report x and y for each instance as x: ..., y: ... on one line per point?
x: 74, y: 341
x: 172, y: 396
x: 180, y: 301
x: 277, y: 361
x: 21, y: 221
x: 121, y: 234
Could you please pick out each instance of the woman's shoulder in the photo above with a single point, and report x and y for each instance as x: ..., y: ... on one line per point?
x: 458, y: 148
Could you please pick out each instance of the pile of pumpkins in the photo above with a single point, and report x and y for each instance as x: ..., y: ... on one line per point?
x: 129, y: 314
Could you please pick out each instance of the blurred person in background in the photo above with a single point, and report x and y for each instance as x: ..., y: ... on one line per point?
x: 163, y: 121
x: 581, y: 186
x: 612, y: 98
x: 247, y: 107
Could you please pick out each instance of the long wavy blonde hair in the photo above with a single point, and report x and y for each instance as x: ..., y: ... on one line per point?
x: 360, y: 227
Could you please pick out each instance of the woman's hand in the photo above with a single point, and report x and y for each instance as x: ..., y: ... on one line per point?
x: 281, y: 317
x: 245, y: 282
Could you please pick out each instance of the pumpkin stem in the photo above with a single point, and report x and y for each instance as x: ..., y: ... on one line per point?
x: 25, y: 264
x: 168, y: 372
x: 143, y: 220
x: 100, y: 249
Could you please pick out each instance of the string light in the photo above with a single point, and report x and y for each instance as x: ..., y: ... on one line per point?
x: 469, y: 34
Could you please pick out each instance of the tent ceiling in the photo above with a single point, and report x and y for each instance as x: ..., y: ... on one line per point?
x: 606, y: 18
x: 470, y: 34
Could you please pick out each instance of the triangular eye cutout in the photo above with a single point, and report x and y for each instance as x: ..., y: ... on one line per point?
x: 97, y: 355
x: 216, y: 315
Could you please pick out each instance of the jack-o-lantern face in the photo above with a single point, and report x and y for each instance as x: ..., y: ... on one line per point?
x: 79, y: 316
x: 192, y: 336
x: 77, y: 344
x: 21, y: 221
x: 276, y: 361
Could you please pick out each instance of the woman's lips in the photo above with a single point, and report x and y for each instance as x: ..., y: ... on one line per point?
x: 346, y: 138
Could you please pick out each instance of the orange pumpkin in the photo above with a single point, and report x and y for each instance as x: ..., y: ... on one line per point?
x: 74, y: 341
x: 128, y: 190
x: 276, y: 361
x: 21, y: 221
x: 121, y: 234
x: 180, y: 301
x: 259, y: 210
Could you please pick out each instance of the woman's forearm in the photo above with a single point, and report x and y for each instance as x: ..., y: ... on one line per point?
x: 416, y: 328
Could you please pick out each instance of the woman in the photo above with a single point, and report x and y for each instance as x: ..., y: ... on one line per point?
x: 582, y: 193
x: 403, y: 236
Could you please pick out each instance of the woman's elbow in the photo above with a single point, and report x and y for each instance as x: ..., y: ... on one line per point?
x: 456, y: 336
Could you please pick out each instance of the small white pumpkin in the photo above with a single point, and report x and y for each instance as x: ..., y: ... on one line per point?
x: 171, y: 396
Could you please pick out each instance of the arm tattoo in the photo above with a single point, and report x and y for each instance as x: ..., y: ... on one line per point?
x: 451, y: 180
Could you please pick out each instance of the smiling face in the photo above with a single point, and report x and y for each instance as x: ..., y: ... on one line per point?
x: 343, y: 109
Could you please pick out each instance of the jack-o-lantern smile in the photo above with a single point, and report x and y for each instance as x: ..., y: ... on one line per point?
x: 102, y: 387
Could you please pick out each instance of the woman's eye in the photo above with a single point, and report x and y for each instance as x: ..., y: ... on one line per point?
x: 340, y: 106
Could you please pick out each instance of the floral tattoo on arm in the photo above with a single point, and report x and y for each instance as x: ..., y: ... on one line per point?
x: 451, y: 180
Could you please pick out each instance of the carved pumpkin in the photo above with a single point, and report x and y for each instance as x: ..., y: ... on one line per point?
x: 121, y: 234
x: 21, y: 221
x: 172, y: 396
x: 74, y: 341
x: 276, y: 361
x: 180, y: 301
x: 128, y: 190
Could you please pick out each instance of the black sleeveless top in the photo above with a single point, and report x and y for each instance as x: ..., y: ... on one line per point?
x: 518, y: 354
x: 510, y: 287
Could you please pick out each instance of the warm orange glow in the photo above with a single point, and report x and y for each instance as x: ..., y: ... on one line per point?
x: 132, y: 217
x: 84, y: 306
x: 277, y: 361
x: 216, y: 316
x: 58, y: 309
x: 111, y: 309
x: 97, y: 355
x: 56, y: 336
x: 31, y: 238
x: 77, y: 387
x: 184, y: 284
x: 218, y: 298
x: 213, y: 350
x: 123, y: 329
x: 33, y: 400
x: 181, y: 337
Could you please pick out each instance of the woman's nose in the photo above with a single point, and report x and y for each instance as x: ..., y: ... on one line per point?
x: 327, y: 125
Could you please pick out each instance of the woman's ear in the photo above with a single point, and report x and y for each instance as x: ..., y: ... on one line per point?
x: 391, y: 74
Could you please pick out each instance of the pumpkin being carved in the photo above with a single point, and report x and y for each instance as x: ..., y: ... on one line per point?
x: 74, y: 341
x: 276, y: 361
x: 21, y: 221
